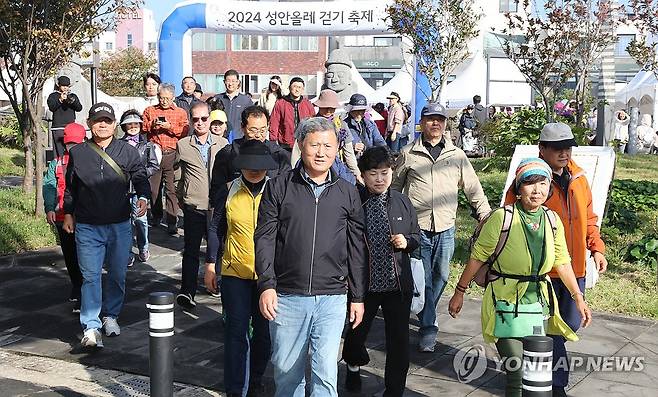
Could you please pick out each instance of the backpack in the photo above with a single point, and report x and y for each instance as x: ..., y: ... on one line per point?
x: 483, y: 276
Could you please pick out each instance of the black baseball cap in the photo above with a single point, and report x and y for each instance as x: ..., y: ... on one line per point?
x: 63, y: 81
x: 101, y: 110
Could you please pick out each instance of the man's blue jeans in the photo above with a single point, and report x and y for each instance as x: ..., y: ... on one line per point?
x: 306, y: 323
x: 571, y: 316
x: 435, y: 251
x: 98, y: 245
x: 245, y: 359
x: 397, y: 144
x: 141, y: 227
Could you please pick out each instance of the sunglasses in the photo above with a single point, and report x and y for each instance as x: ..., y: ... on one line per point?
x: 204, y: 119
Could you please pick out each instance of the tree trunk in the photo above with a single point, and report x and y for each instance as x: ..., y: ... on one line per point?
x: 36, y: 112
x: 28, y: 151
x: 39, y: 169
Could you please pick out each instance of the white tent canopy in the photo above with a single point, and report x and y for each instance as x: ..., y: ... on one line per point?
x: 640, y: 92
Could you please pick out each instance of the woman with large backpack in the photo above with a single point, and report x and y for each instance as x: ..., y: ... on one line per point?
x: 519, y: 297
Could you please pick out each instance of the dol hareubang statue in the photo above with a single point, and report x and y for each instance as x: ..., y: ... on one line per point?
x: 338, y: 77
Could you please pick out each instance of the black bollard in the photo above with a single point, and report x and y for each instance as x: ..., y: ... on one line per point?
x: 537, y: 366
x: 161, y: 349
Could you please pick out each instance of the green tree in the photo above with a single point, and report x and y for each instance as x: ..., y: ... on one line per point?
x: 644, y: 48
x: 560, y: 42
x: 121, y: 74
x: 37, y: 38
x: 440, y: 31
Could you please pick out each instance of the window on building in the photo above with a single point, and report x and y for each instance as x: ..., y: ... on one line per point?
x: 151, y: 46
x: 209, y: 42
x: 274, y: 43
x: 383, y: 41
x: 109, y: 46
x: 507, y: 6
x: 130, y: 40
x: 211, y: 83
x: 623, y: 40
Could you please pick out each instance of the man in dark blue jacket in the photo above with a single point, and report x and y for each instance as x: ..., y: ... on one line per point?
x: 364, y: 132
x: 310, y: 254
x: 97, y: 208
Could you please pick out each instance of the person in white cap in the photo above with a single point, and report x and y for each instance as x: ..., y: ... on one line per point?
x: 270, y: 94
x: 150, y: 154
x: 571, y: 199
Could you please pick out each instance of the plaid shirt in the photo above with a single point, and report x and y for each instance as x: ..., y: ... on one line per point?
x: 166, y: 139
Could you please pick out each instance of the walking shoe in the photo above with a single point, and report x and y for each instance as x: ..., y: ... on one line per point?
x: 111, y: 326
x: 185, y: 301
x: 353, y: 380
x: 559, y: 392
x: 144, y: 255
x: 131, y: 260
x: 213, y: 294
x: 92, y: 338
x: 172, y: 230
x: 426, y: 344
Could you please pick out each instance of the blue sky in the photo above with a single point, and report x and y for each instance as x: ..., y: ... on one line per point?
x: 160, y: 8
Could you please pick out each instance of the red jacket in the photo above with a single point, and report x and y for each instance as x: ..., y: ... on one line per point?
x: 282, y: 119
x: 575, y: 211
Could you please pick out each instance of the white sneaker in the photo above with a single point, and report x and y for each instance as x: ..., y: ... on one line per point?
x: 111, y: 326
x: 92, y: 338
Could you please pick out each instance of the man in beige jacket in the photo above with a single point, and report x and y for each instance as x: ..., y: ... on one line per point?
x: 430, y: 171
x: 195, y: 155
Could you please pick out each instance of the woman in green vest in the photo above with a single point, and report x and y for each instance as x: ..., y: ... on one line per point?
x: 518, y: 298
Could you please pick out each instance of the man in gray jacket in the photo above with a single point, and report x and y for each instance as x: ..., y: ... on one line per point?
x: 195, y: 155
x: 430, y: 171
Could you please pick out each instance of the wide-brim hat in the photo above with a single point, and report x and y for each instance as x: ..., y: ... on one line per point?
x: 327, y: 99
x: 254, y: 155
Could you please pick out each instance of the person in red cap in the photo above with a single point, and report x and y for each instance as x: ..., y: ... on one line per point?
x: 54, y: 184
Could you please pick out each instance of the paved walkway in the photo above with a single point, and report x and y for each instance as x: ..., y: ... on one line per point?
x: 40, y: 354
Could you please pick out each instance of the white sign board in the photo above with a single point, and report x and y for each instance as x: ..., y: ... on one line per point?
x: 307, y: 18
x: 599, y: 166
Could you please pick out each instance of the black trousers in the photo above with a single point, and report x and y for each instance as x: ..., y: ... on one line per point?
x: 164, y: 176
x: 396, y: 307
x: 67, y: 242
x: 195, y: 223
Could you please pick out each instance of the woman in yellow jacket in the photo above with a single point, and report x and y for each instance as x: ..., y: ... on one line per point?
x: 234, y: 222
x: 519, y: 296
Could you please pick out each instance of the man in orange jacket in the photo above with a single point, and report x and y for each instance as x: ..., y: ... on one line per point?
x: 571, y: 198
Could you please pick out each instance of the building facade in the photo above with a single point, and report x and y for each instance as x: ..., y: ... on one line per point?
x: 257, y: 59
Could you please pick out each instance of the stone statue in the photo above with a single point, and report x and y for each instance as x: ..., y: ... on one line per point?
x: 338, y: 77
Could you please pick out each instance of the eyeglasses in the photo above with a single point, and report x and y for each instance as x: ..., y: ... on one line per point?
x: 256, y: 131
x: 204, y: 119
x: 166, y: 98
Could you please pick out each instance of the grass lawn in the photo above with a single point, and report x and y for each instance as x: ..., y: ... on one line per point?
x: 19, y: 229
x: 12, y: 161
x: 626, y: 288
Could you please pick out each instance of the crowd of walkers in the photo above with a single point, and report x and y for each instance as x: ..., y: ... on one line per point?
x: 312, y: 217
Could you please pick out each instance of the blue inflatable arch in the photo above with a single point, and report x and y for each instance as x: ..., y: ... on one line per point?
x: 289, y: 19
